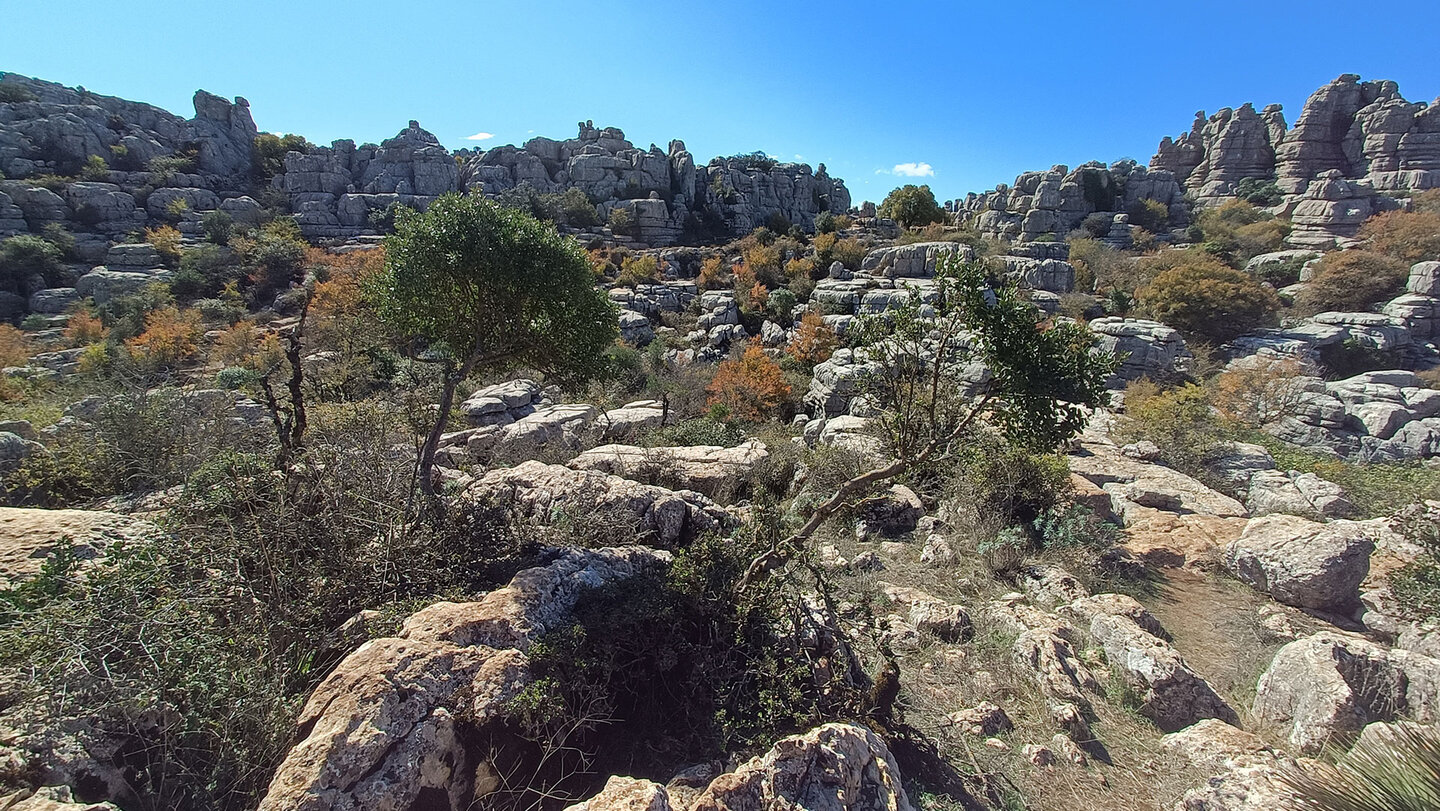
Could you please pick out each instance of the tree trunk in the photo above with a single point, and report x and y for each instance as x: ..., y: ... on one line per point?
x: 442, y: 421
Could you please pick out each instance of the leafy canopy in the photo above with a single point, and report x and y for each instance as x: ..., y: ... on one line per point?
x: 496, y: 287
x: 912, y: 205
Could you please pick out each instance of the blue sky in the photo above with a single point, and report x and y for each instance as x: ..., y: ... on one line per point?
x: 963, y: 95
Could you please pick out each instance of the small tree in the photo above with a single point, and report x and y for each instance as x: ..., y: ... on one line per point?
x: 912, y: 205
x: 972, y: 358
x: 750, y: 388
x: 480, y: 286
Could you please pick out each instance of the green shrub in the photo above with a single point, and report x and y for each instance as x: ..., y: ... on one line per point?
x: 638, y: 269
x: 1352, y: 281
x: 1236, y: 231
x: 1152, y: 215
x: 1180, y: 421
x: 1258, y: 191
x: 95, y: 168
x: 57, y: 235
x: 778, y: 223
x: 26, y: 255
x: 1409, y: 236
x: 1209, y: 301
x: 622, y: 221
x: 912, y: 205
x: 999, y: 484
x: 217, y: 226
x: 268, y: 157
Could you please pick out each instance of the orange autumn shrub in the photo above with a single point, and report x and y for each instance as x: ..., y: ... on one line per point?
x: 751, y: 388
x: 712, y: 273
x: 171, y: 335
x: 814, y: 340
x: 82, y: 329
x: 15, y: 346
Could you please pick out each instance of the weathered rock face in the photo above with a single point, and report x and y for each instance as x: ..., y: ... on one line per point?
x: 1248, y: 772
x: 1218, y: 153
x: 836, y: 767
x: 720, y: 473
x: 1362, y: 133
x: 1149, y: 348
x: 664, y: 192
x: 28, y: 536
x: 1172, y: 695
x: 545, y: 493
x: 1324, y: 689
x: 1049, y: 205
x: 382, y: 732
x: 1303, y: 563
x: 1373, y: 417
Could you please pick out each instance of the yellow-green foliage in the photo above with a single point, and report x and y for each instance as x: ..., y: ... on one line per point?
x: 1352, y: 281
x: 1207, y: 300
x: 638, y: 269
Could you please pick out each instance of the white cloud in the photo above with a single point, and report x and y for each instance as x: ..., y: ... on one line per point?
x: 913, y: 170
x: 480, y: 136
x: 799, y: 157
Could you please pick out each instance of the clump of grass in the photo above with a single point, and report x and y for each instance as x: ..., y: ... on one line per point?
x: 1399, y: 773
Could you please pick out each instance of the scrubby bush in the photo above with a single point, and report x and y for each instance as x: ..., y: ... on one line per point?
x: 622, y: 221
x: 268, y: 157
x: 912, y: 205
x: 204, y: 272
x: 171, y: 335
x: 1236, y: 231
x: 1352, y: 281
x: 814, y: 341
x: 1152, y: 215
x: 1257, y: 394
x: 1099, y: 267
x: 82, y: 328
x: 15, y: 346
x: 638, y: 269
x: 778, y: 223
x: 995, y: 484
x: 217, y: 226
x: 1409, y: 236
x: 15, y: 94
x: 166, y: 240
x: 750, y: 388
x: 1180, y: 421
x: 26, y: 255
x: 849, y: 252
x: 272, y: 257
x: 95, y: 169
x: 1206, y: 300
x: 1258, y: 191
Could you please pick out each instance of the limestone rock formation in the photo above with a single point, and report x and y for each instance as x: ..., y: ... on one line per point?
x: 1324, y: 689
x: 544, y: 493
x: 1172, y: 695
x: 383, y: 729
x: 1303, y: 563
x: 836, y: 767
x: 718, y: 472
x: 28, y: 536
x: 1049, y: 205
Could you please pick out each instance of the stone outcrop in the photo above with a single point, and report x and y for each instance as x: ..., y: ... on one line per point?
x: 1147, y: 348
x: 719, y: 473
x: 836, y: 767
x: 1049, y: 205
x: 1303, y: 563
x: 1372, y: 417
x: 1248, y: 772
x: 1352, y: 142
x: 383, y: 730
x: 664, y: 192
x: 546, y: 493
x: 1171, y: 694
x: 1324, y: 689
x: 28, y: 537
